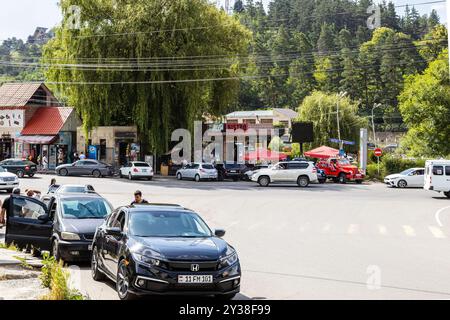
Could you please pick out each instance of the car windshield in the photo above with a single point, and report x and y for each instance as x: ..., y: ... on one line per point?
x: 344, y: 162
x: 168, y: 224
x: 406, y: 172
x: 141, y: 164
x: 85, y: 208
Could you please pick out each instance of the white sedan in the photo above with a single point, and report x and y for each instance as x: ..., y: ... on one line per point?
x: 198, y: 172
x: 411, y: 178
x: 137, y: 170
x: 8, y: 180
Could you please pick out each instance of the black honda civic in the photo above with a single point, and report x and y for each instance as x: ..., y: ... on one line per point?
x: 159, y: 249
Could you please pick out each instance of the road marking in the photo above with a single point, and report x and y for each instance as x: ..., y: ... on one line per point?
x: 382, y: 230
x: 437, y: 216
x: 326, y: 228
x: 352, y: 229
x: 409, y: 231
x: 437, y: 232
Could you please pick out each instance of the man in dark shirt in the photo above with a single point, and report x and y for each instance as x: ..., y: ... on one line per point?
x: 138, y: 198
x: 6, y: 207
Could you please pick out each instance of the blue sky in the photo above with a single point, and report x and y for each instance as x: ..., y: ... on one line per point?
x: 19, y: 18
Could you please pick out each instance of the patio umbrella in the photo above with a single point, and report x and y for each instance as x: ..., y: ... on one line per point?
x: 323, y: 152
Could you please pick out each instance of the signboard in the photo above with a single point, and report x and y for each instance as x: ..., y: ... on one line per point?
x: 11, y: 118
x: 378, y: 152
x: 349, y: 143
x: 92, y: 152
x: 236, y: 126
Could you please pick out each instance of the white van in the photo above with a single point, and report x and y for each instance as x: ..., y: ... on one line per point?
x: 437, y: 176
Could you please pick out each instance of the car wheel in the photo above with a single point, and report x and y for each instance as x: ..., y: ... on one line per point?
x: 303, y: 181
x: 123, y: 282
x: 197, y: 178
x: 342, y: 178
x: 150, y: 178
x: 264, y: 181
x: 447, y: 194
x: 63, y: 172
x: 359, y: 181
x: 226, y: 297
x: 179, y: 176
x: 97, y: 174
x: 20, y: 173
x: 97, y: 275
x: 402, y: 184
x: 55, y: 250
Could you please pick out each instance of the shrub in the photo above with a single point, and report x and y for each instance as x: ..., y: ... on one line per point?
x: 390, y: 164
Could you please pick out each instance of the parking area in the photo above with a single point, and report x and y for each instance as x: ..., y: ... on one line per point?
x: 322, y: 242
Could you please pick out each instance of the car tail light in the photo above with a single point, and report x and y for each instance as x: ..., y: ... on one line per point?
x: 27, y: 168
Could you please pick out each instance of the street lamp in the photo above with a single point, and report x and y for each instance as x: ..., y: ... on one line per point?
x: 341, y: 95
x: 376, y: 105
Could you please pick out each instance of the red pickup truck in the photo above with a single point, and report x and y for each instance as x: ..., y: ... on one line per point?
x: 341, y: 170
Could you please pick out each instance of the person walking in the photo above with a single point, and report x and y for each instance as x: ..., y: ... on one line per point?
x: 82, y: 156
x: 138, y: 198
x: 45, y: 162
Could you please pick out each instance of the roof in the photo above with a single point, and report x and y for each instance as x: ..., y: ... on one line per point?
x: 151, y: 207
x: 17, y: 94
x: 288, y: 113
x: 47, y: 121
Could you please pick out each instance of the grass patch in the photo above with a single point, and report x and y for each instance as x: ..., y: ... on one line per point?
x: 56, y: 278
x: 11, y: 247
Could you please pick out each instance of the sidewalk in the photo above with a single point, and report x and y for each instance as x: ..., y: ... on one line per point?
x: 19, y: 276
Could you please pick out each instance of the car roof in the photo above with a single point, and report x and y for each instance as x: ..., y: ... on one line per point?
x: 156, y: 207
x: 92, y: 195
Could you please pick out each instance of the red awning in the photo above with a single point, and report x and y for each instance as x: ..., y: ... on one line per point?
x: 265, y: 155
x: 322, y: 153
x: 36, y: 139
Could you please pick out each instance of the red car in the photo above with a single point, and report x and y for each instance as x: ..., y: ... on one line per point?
x: 341, y: 170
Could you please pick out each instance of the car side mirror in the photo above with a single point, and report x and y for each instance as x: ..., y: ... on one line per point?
x: 115, y: 232
x: 220, y: 233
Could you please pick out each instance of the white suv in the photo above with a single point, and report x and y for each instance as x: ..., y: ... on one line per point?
x: 302, y: 173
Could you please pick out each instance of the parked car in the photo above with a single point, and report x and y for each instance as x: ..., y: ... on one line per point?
x: 8, y: 180
x: 75, y: 188
x: 250, y: 171
x: 302, y: 173
x: 137, y: 170
x: 341, y: 170
x: 19, y: 167
x: 411, y: 178
x: 437, y: 176
x: 233, y: 171
x: 63, y: 224
x: 85, y: 168
x: 197, y: 172
x: 164, y: 250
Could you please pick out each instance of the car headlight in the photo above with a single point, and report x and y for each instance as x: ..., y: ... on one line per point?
x: 146, y: 260
x: 69, y: 236
x: 229, y: 260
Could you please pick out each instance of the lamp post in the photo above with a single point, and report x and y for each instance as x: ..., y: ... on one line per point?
x: 341, y: 95
x: 376, y: 105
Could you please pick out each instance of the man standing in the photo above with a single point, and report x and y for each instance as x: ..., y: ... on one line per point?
x: 82, y: 156
x: 138, y: 198
x: 6, y: 207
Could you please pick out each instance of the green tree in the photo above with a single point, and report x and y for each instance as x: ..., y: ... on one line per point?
x: 320, y: 108
x: 425, y: 107
x: 135, y: 38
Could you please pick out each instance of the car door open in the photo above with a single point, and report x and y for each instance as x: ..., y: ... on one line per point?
x: 28, y: 223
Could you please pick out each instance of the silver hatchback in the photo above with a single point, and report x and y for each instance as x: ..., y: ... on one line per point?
x: 198, y: 172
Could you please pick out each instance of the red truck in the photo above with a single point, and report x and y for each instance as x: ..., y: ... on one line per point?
x: 341, y: 170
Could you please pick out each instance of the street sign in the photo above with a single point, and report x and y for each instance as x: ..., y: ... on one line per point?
x: 378, y: 152
x: 350, y: 143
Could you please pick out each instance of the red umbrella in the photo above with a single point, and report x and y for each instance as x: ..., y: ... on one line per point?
x: 322, y: 153
x: 265, y: 155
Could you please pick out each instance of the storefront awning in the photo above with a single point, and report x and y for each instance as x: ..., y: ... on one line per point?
x: 36, y: 139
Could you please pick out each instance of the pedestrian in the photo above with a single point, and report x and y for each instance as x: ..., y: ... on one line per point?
x: 45, y: 162
x: 82, y: 156
x: 6, y: 206
x: 138, y: 198
x: 35, y: 194
x: 76, y: 157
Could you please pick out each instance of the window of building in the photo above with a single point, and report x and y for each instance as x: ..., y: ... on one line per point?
x: 266, y: 121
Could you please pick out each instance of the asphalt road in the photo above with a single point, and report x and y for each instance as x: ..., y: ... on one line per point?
x: 324, y: 242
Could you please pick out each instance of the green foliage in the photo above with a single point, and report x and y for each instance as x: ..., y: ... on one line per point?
x: 425, y: 107
x: 55, y: 278
x: 391, y: 164
x: 156, y: 108
x: 320, y: 108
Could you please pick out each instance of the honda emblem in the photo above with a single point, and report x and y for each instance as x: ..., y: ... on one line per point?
x: 195, y: 268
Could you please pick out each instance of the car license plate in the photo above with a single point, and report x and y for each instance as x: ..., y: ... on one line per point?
x: 233, y: 171
x: 195, y: 279
x: 144, y: 170
x: 90, y: 247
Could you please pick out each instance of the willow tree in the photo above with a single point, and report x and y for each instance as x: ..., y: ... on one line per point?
x: 146, y: 62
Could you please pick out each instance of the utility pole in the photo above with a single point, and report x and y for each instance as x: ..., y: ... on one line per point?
x: 376, y: 105
x: 341, y: 95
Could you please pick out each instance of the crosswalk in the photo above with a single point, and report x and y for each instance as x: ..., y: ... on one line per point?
x: 353, y: 229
